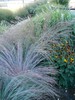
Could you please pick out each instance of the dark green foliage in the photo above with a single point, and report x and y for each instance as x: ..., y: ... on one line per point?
x: 6, y: 15
x: 62, y: 2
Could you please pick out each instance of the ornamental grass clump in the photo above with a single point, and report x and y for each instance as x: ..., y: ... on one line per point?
x: 22, y: 76
x: 29, y: 73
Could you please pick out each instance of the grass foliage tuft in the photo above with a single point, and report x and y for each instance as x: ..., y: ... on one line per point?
x: 22, y: 75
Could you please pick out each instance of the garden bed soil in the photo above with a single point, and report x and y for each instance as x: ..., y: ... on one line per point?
x: 67, y: 94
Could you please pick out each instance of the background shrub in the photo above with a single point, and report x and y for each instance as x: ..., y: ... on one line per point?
x: 6, y: 15
x: 62, y: 2
x: 32, y: 9
x: 27, y: 11
x: 23, y: 12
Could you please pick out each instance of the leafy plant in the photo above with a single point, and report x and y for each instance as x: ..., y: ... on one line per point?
x: 59, y: 16
x: 64, y: 59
